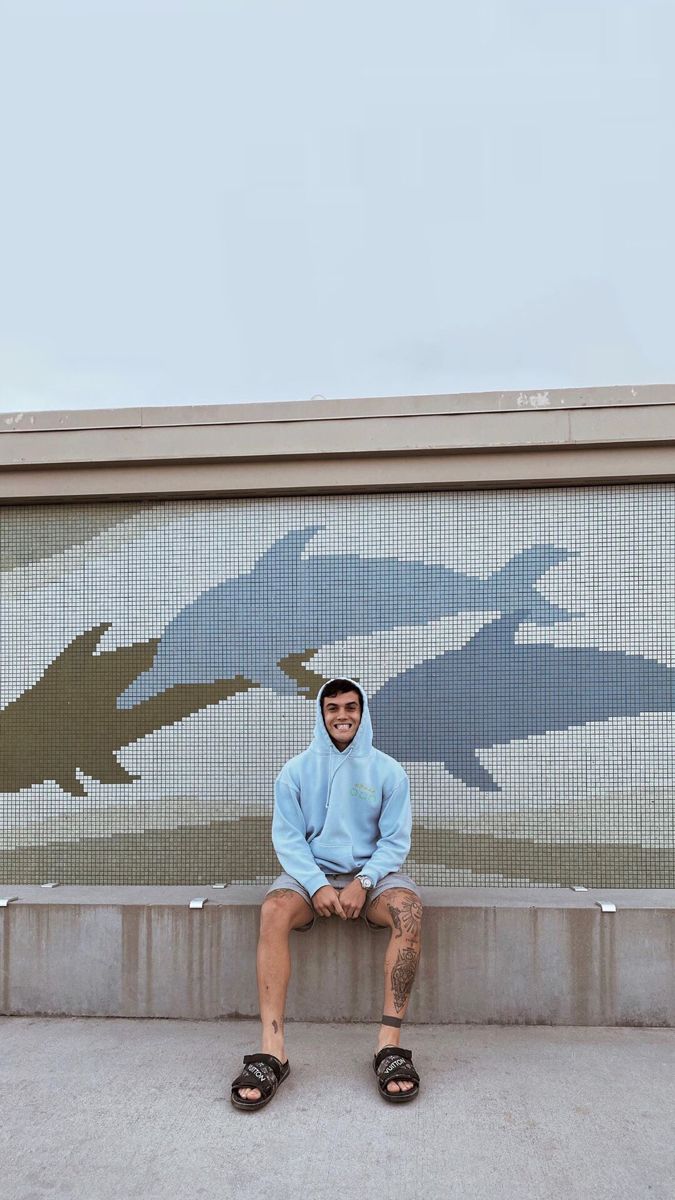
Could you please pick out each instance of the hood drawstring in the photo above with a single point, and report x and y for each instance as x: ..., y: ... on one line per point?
x: 343, y: 755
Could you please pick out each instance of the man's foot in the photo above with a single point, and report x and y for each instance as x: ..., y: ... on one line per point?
x: 273, y: 1046
x: 260, y: 1066
x: 392, y: 1065
x: 403, y: 1085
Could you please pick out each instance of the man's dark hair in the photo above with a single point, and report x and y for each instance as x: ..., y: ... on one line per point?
x: 337, y: 686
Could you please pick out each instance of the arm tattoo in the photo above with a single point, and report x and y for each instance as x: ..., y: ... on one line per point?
x: 402, y: 976
x: 393, y: 913
x: 411, y: 912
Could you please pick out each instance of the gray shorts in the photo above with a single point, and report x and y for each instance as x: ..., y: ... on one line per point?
x: 395, y: 879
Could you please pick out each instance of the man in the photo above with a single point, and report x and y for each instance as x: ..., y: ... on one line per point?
x: 341, y: 831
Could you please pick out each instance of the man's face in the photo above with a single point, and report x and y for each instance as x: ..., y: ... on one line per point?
x: 342, y: 717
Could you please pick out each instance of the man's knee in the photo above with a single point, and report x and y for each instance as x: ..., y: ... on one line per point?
x: 401, y: 910
x: 282, y: 910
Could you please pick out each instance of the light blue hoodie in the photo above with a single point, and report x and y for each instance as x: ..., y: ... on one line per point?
x: 341, y: 811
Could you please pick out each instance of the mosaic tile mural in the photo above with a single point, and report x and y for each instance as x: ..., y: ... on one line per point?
x: 159, y: 663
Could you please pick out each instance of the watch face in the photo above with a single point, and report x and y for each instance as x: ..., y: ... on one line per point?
x: 366, y: 882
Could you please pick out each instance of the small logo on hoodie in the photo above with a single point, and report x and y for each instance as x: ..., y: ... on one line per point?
x: 362, y: 791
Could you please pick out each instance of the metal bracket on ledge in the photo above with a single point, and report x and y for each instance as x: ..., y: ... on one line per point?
x: 218, y: 885
x: 50, y: 885
x: 606, y: 905
x: 198, y: 901
x: 579, y: 887
x: 5, y: 900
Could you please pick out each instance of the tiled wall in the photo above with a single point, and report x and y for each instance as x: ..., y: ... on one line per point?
x: 159, y: 663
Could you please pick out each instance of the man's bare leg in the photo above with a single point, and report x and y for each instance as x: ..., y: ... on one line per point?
x: 282, y: 911
x: 401, y: 911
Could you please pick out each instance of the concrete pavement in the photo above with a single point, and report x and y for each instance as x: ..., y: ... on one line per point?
x: 104, y: 1109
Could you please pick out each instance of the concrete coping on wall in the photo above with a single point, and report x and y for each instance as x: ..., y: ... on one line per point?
x: 545, y: 437
x: 434, y: 897
x: 490, y: 955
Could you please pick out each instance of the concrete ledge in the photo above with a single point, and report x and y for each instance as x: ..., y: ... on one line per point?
x: 490, y: 439
x: 491, y: 955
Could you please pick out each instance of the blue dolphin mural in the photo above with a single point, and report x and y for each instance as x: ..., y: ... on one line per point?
x: 493, y: 691
x: 288, y: 604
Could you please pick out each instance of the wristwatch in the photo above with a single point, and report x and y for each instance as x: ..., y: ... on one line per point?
x: 365, y: 881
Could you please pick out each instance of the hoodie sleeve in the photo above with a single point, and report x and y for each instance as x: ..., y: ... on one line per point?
x: 289, y: 837
x: 393, y: 844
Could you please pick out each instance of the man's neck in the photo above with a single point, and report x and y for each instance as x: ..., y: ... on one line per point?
x: 341, y: 746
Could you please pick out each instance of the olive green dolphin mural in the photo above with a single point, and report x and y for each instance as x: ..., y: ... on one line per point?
x: 69, y: 719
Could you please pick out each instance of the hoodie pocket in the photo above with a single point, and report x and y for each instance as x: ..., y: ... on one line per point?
x: 334, y: 853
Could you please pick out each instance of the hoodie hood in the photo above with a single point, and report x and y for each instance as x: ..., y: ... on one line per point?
x: 362, y: 742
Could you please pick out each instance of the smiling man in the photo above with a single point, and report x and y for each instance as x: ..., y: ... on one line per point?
x: 341, y: 831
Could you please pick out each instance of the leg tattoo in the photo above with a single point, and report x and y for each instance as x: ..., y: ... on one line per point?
x: 402, y: 976
x: 411, y: 915
x: 394, y: 914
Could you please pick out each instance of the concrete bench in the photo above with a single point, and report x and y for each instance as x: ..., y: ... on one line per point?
x: 490, y: 955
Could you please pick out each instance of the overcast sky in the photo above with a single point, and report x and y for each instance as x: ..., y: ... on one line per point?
x: 250, y: 200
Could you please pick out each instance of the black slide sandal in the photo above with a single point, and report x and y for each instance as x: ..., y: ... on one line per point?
x: 261, y: 1071
x: 393, y: 1064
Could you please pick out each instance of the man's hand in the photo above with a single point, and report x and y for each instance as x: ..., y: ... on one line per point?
x: 353, y: 898
x: 326, y: 902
